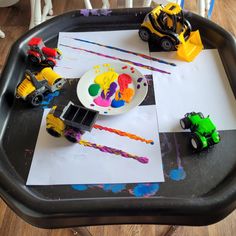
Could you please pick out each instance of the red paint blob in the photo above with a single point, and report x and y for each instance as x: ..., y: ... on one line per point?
x: 124, y: 67
x: 124, y: 80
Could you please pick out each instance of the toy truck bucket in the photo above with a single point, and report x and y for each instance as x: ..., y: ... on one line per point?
x: 188, y: 50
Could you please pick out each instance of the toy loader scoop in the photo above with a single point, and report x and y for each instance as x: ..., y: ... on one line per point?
x: 190, y: 48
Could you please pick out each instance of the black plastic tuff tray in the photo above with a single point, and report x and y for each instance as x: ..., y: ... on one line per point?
x: 206, y: 195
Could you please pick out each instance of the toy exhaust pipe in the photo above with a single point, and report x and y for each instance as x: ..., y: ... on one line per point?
x: 189, y: 49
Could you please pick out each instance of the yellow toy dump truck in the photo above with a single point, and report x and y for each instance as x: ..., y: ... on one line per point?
x: 35, y: 85
x: 172, y: 30
x: 70, y: 121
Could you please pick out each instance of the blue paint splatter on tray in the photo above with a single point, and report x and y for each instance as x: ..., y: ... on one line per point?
x: 80, y: 187
x: 145, y: 190
x: 48, y: 98
x: 177, y: 174
x: 95, y: 12
x: 115, y: 188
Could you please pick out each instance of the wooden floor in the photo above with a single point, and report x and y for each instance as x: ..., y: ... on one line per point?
x: 14, y: 21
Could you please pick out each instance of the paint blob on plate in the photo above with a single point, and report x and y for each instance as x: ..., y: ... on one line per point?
x: 114, y: 89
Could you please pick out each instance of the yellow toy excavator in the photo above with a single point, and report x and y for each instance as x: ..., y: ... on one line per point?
x: 173, y: 31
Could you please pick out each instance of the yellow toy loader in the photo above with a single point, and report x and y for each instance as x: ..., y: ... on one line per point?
x: 172, y: 30
x: 35, y: 85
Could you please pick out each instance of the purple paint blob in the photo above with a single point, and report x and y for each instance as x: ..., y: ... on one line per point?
x: 92, y: 105
x: 138, y: 86
x: 140, y: 80
x: 84, y: 12
x: 143, y: 160
x: 117, y: 104
x: 111, y: 91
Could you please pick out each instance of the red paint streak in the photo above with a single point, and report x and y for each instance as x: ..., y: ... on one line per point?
x: 124, y: 67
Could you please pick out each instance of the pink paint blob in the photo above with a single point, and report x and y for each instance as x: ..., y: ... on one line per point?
x: 102, y: 102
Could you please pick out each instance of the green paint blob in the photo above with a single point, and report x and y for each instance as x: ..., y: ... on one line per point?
x: 94, y: 89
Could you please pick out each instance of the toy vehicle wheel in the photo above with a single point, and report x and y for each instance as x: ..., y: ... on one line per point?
x: 51, y: 63
x: 185, y: 123
x: 201, y: 115
x: 34, y: 59
x: 167, y: 44
x: 144, y: 34
x: 71, y: 138
x: 36, y: 99
x: 196, y: 142
x: 53, y: 132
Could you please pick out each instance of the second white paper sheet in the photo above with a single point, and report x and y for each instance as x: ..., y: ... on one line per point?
x: 57, y: 161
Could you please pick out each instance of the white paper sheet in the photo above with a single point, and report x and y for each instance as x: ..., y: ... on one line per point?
x: 57, y: 161
x: 75, y: 63
x: 200, y: 86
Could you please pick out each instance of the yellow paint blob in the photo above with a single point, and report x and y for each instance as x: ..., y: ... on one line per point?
x: 105, y: 79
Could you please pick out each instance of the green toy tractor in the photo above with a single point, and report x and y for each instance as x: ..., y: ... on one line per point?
x: 203, y: 131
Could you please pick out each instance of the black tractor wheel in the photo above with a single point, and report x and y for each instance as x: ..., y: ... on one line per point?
x: 50, y: 63
x: 36, y: 99
x: 167, y: 44
x: 196, y: 142
x: 53, y: 132
x: 34, y: 59
x: 144, y: 34
x: 201, y: 115
x: 185, y: 123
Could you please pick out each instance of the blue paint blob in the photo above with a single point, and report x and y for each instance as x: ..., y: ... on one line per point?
x: 177, y: 174
x: 152, y: 143
x: 48, y: 98
x: 145, y: 190
x: 115, y: 188
x: 139, y: 80
x: 117, y: 104
x: 105, y: 112
x: 80, y: 187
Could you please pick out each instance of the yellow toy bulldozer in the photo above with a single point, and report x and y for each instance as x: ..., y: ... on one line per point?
x: 35, y: 85
x: 172, y: 30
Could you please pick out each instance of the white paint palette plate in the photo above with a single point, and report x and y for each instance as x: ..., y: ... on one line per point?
x: 108, y: 99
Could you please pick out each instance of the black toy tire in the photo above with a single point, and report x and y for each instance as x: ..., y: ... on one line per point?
x: 36, y: 99
x: 34, y: 59
x: 196, y: 142
x: 166, y: 44
x: 50, y: 63
x: 185, y: 123
x: 71, y: 139
x: 201, y: 115
x: 144, y: 34
x: 53, y: 132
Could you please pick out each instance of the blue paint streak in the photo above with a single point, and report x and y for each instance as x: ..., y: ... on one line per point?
x: 177, y: 174
x: 115, y: 188
x: 145, y: 190
x: 80, y: 187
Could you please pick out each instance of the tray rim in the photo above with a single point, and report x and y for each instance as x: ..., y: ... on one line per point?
x: 17, y: 195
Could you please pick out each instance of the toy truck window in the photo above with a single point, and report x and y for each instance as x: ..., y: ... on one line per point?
x: 79, y: 117
x: 70, y: 113
x: 89, y: 118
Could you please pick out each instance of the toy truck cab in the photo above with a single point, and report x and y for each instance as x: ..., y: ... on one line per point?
x: 70, y: 120
x: 203, y: 130
x: 40, y: 54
